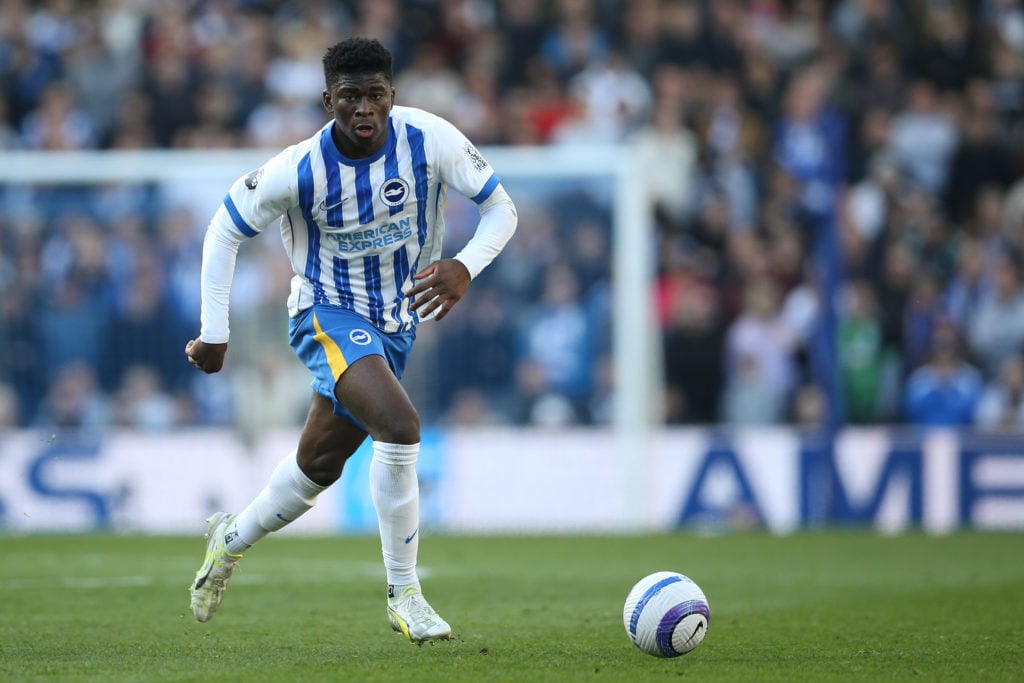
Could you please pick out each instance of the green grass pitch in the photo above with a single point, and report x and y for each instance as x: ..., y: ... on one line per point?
x: 823, y: 606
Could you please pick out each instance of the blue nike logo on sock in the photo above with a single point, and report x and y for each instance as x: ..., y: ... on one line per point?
x: 288, y: 521
x: 412, y: 536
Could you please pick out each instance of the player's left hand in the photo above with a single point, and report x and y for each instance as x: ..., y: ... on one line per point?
x: 440, y: 286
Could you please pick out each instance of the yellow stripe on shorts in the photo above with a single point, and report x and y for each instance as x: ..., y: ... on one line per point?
x: 335, y: 358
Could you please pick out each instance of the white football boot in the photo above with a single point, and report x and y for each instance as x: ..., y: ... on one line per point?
x: 410, y: 614
x: 212, y: 578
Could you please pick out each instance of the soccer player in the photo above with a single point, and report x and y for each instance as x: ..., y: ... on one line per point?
x: 360, y: 205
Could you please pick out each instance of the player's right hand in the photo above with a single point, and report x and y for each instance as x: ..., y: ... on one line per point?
x: 206, y: 357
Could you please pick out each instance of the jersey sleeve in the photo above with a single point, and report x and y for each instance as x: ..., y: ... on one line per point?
x: 466, y: 171
x: 461, y: 165
x: 253, y: 202
x: 260, y: 197
x: 498, y: 220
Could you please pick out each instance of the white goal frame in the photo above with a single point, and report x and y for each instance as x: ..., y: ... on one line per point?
x: 635, y: 343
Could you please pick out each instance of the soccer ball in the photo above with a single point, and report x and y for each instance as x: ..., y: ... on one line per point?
x: 666, y: 614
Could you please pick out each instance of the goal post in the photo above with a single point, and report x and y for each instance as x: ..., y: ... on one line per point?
x: 636, y: 356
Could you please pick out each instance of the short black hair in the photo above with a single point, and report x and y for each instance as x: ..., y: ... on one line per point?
x: 357, y: 56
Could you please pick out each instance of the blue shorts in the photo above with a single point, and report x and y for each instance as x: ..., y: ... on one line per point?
x: 328, y: 340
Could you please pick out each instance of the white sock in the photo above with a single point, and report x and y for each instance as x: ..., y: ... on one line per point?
x: 396, y: 496
x: 287, y: 496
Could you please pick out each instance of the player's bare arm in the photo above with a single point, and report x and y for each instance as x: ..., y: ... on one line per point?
x: 206, y: 357
x: 442, y: 284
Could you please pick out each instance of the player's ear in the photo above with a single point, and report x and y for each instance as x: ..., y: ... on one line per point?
x: 327, y: 102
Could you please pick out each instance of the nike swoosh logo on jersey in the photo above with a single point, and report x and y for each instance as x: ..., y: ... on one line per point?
x: 324, y: 207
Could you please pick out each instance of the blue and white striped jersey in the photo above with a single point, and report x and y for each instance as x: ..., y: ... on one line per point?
x: 357, y: 229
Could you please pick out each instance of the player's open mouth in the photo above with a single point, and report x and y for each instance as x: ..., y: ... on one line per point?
x: 365, y: 130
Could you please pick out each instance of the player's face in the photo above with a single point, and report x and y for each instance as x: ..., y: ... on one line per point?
x: 361, y: 104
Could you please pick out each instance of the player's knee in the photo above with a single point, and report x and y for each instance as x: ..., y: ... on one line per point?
x: 322, y: 459
x: 402, y: 427
x: 322, y: 469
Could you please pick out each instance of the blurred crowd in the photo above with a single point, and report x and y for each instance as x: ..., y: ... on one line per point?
x: 834, y: 185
